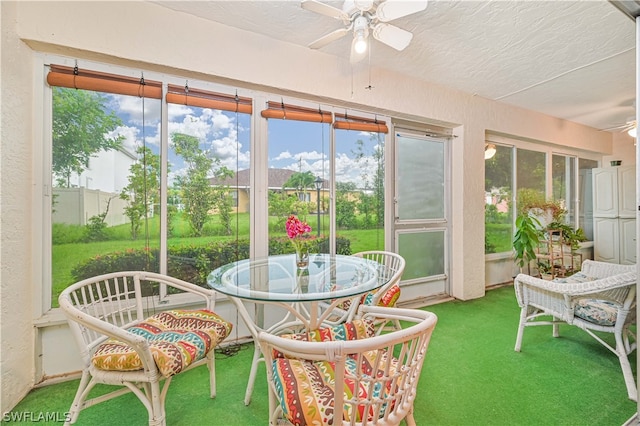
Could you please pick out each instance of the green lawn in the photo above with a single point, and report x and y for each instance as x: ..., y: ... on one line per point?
x: 500, y: 236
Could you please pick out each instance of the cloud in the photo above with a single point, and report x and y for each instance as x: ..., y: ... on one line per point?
x: 130, y: 134
x: 284, y: 155
x: 129, y: 108
x: 190, y: 125
x: 174, y: 111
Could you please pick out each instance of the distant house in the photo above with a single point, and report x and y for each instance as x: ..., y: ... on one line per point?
x: 276, y: 178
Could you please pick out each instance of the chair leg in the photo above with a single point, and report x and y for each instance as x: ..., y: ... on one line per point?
x: 521, y: 325
x: 81, y: 394
x: 556, y: 327
x: 411, y: 421
x: 627, y: 373
x: 157, y: 416
x: 211, y: 365
x: 257, y: 357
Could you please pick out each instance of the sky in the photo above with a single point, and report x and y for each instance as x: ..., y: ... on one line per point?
x: 293, y: 145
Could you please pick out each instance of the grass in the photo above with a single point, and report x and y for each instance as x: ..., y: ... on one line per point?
x: 499, y: 236
x: 471, y: 376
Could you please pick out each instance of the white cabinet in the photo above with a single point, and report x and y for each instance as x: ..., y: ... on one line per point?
x: 614, y: 214
x: 627, y: 241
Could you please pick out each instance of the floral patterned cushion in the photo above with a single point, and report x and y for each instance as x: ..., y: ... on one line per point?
x: 176, y: 338
x: 354, y: 330
x: 305, y: 389
x: 601, y: 312
x: 388, y: 300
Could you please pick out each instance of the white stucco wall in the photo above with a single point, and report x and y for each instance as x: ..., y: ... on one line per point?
x: 16, y: 250
x: 145, y: 35
x: 624, y: 149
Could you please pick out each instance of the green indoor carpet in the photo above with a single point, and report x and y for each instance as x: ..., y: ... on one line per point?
x: 471, y: 376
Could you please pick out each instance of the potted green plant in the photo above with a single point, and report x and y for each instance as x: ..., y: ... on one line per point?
x: 532, y: 202
x: 526, y: 240
x: 572, y: 237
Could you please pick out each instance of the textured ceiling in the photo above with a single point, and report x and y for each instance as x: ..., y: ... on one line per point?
x: 569, y: 59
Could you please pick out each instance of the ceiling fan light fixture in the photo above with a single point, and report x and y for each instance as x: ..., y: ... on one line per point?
x: 489, y: 150
x: 633, y: 132
x: 360, y: 42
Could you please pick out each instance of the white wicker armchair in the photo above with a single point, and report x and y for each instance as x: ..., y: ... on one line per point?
x: 120, y: 345
x: 346, y: 374
x: 391, y: 268
x: 599, y: 298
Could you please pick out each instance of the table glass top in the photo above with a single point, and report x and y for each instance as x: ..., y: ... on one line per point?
x: 277, y: 278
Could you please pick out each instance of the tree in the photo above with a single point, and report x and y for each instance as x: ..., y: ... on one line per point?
x: 222, y: 200
x: 371, y: 205
x: 280, y: 205
x: 197, y: 193
x: 345, y: 207
x: 301, y: 181
x: 143, y: 189
x: 80, y: 130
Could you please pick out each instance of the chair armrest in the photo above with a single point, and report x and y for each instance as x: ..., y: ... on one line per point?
x: 138, y: 343
x: 575, y: 288
x: 209, y: 295
x: 421, y: 320
x: 598, y: 269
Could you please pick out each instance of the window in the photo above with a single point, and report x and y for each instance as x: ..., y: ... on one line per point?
x: 360, y: 188
x: 563, y: 172
x: 530, y: 174
x: 585, y: 191
x: 105, y: 180
x: 298, y: 155
x: 498, y: 187
x: 126, y: 184
x: 569, y: 175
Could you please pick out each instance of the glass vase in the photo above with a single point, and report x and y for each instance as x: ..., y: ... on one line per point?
x: 302, y: 258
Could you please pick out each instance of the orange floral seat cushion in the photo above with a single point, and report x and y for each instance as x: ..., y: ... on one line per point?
x: 176, y: 338
x: 354, y: 330
x: 305, y: 389
x: 388, y: 299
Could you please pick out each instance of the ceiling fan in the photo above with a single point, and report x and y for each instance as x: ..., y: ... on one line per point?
x: 630, y: 127
x: 364, y: 17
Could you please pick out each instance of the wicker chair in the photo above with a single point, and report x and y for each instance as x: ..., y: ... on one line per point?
x: 346, y: 374
x: 120, y: 346
x: 599, y: 298
x: 391, y: 269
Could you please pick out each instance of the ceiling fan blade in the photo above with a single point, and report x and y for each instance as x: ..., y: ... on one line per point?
x: 392, y: 36
x: 355, y: 56
x: 326, y: 39
x: 621, y: 127
x: 389, y: 10
x: 324, y: 9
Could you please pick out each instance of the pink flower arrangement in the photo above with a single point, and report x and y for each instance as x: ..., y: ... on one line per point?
x: 296, y: 229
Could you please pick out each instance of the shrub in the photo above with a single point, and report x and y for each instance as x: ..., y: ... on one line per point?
x: 191, y: 263
x: 63, y: 233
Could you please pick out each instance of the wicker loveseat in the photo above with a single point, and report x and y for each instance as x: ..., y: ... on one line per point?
x: 599, y: 298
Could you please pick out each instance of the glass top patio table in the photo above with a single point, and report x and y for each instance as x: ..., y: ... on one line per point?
x: 278, y: 279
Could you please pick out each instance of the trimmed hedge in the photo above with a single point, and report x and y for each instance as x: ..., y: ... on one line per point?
x: 192, y: 263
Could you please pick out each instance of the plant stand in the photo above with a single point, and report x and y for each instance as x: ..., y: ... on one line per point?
x: 554, y: 253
